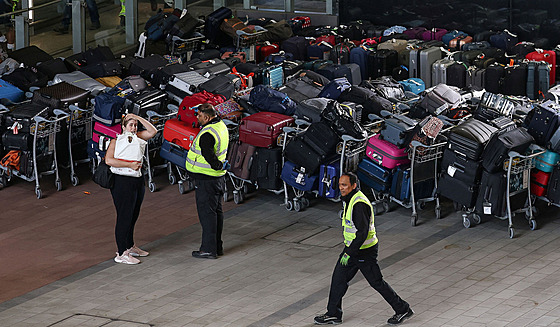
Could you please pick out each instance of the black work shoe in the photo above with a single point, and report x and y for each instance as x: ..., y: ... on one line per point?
x: 94, y: 26
x: 203, y: 255
x: 61, y: 29
x: 400, y: 317
x: 327, y: 320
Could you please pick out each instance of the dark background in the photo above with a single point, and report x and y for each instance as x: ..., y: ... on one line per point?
x: 534, y: 20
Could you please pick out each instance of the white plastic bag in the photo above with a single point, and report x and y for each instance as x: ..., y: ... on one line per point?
x: 129, y: 147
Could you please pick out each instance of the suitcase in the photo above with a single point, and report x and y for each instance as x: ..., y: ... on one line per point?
x: 291, y: 68
x: 460, y: 192
x: 553, y: 191
x: 515, y: 80
x: 539, y: 182
x: 470, y: 137
x: 273, y: 76
x: 146, y: 67
x: 266, y: 168
x: 547, y: 161
x: 214, y: 20
x: 94, y: 152
x: 421, y: 61
x: 266, y: 49
x: 81, y: 80
x: 174, y: 154
x: 311, y: 109
x: 302, y: 88
x: 543, y: 55
x: 374, y: 176
x: 10, y: 92
x: 103, y: 134
x: 296, y: 45
x: 186, y: 111
x: 397, y: 129
x: 53, y: 67
x: 19, y: 141
x: 501, y: 143
x: 328, y: 180
x: 456, y: 75
x: 240, y: 156
x: 475, y: 77
x: 263, y: 128
x: 163, y: 75
x: 26, y: 163
x: 457, y: 43
x: 460, y: 167
x: 224, y: 85
x: 492, y: 194
x: 504, y: 40
x: 206, y: 55
x: 359, y: 56
x: 434, y: 34
x: 298, y: 177
x: 382, y: 62
x: 400, y: 186
x: 103, y: 69
x: 30, y: 56
x: 184, y: 84
x: 180, y: 133
x: 60, y: 96
x: 543, y: 121
x: 23, y: 114
x: 439, y: 70
x: 340, y: 53
x: 451, y: 35
x: 24, y: 78
x: 110, y: 81
x: 393, y: 44
x: 147, y: 99
x: 385, y: 153
x: 538, y: 79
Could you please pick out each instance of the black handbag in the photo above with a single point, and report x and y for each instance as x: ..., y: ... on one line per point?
x: 103, y: 175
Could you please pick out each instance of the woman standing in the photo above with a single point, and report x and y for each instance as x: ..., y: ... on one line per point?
x: 128, y: 189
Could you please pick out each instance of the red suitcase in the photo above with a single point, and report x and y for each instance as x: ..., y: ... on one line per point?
x: 242, y: 56
x: 263, y: 128
x: 180, y: 133
x: 539, y: 182
x: 266, y: 49
x: 305, y: 20
x: 186, y: 112
x: 545, y: 55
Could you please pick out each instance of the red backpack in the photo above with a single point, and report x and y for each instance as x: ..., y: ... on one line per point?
x: 186, y: 111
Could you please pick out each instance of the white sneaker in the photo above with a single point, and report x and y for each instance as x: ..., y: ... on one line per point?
x: 126, y: 258
x: 137, y: 252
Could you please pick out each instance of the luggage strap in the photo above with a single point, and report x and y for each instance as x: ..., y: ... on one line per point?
x: 11, y: 160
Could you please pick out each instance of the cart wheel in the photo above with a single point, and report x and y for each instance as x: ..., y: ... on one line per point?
x: 421, y: 205
x: 225, y: 197
x: 58, y: 185
x: 305, y: 202
x: 466, y: 221
x: 533, y: 224
x: 74, y: 180
x: 289, y: 205
x: 297, y: 205
x: 237, y: 197
x: 181, y: 188
x: 152, y: 187
x: 38, y: 192
x: 476, y: 218
x: 511, y: 232
x: 456, y: 206
x: 172, y: 179
x: 190, y: 186
x: 438, y: 212
x: 386, y: 206
x: 414, y: 219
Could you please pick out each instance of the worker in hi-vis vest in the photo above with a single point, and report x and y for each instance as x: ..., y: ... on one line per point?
x: 207, y: 165
x: 360, y: 253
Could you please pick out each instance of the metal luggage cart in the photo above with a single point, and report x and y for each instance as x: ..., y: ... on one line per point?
x: 299, y: 202
x: 78, y: 118
x: 516, y: 165
x: 246, y: 42
x: 154, y: 145
x: 184, y: 48
x: 45, y: 130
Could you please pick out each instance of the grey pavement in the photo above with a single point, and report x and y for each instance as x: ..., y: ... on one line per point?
x: 277, y: 267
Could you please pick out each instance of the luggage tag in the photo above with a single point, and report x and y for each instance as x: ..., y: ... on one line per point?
x: 451, y: 171
x: 487, y: 208
x: 15, y: 128
x: 300, y: 179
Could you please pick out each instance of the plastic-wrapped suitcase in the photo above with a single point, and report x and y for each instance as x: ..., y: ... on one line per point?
x: 266, y: 168
x: 30, y: 55
x: 180, y: 133
x: 328, y: 180
x: 298, y: 177
x: 374, y: 176
x: 173, y: 153
x: 385, y: 153
x: 263, y: 128
x: 539, y: 182
x: 470, y: 137
x: 10, y: 92
x: 60, y: 96
x: 240, y: 156
x: 81, y: 80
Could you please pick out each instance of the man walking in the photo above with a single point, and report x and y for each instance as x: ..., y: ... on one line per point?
x: 207, y: 165
x: 360, y: 253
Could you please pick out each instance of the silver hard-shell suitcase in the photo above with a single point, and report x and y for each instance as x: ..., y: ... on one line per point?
x: 439, y: 71
x: 427, y: 59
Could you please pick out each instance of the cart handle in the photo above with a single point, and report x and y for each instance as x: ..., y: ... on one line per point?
x: 173, y: 107
x: 301, y: 122
x: 350, y: 138
x: 258, y: 30
x: 374, y: 117
x: 73, y: 107
x: 229, y: 122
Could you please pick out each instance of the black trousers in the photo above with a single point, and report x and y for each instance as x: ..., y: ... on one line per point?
x: 369, y: 267
x: 209, y: 194
x: 128, y: 194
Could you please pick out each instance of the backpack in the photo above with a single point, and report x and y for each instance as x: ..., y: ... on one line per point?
x: 267, y: 99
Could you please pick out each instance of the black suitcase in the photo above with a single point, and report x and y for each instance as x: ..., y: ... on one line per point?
x: 163, y: 75
x: 147, y: 99
x: 53, y: 67
x: 493, y: 78
x: 311, y: 109
x: 460, y: 167
x: 44, y: 163
x: 145, y: 67
x: 332, y: 71
x: 470, y: 137
x: 456, y: 75
x: 30, y: 56
x: 515, y: 80
x: 266, y: 168
x: 382, y: 62
x: 19, y: 141
x: 491, y: 198
x: 60, y: 96
x: 103, y: 69
x: 460, y: 192
x: 501, y: 143
x: 553, y: 191
x: 340, y: 53
x: 23, y: 115
x: 221, y: 84
x: 302, y: 88
x: 206, y: 54
x: 24, y: 78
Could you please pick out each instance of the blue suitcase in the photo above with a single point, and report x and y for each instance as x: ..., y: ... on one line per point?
x: 400, y: 186
x: 94, y: 152
x: 295, y: 176
x: 374, y: 176
x: 173, y: 153
x: 359, y: 56
x: 543, y: 121
x: 10, y: 92
x: 328, y: 183
x: 273, y: 76
x: 414, y: 85
x: 334, y: 89
x: 546, y: 161
x: 320, y: 51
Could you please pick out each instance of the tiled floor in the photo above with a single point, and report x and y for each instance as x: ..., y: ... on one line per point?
x: 277, y: 266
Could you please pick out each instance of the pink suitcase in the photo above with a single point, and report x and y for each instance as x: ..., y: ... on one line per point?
x: 434, y: 34
x: 263, y: 128
x: 100, y: 129
x: 385, y: 153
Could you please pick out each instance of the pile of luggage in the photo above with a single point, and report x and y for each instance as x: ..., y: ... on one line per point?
x: 418, y: 113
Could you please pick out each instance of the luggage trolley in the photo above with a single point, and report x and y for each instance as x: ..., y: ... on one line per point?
x: 299, y: 202
x: 246, y: 42
x: 154, y: 145
x: 184, y: 48
x: 42, y: 129
x: 517, y: 164
x: 78, y: 118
